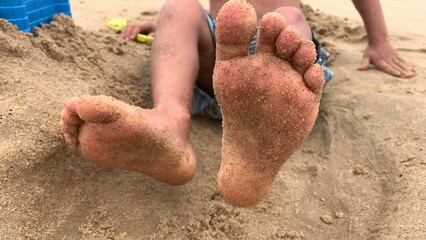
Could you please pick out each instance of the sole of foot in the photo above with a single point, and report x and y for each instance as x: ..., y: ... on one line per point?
x: 269, y: 100
x: 118, y: 135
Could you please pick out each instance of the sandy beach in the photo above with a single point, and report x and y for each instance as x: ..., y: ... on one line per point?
x: 360, y: 174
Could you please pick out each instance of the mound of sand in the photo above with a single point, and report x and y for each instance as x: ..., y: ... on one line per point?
x: 359, y: 175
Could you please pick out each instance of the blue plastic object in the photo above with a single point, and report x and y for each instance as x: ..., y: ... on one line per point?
x: 27, y: 14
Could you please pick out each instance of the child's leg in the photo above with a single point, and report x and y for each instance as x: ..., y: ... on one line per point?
x: 182, y: 33
x: 154, y: 142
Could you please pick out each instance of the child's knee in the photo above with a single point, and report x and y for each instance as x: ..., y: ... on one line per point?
x: 292, y: 15
x: 182, y: 9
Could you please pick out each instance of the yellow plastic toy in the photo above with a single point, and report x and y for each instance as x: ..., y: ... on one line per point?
x: 118, y: 24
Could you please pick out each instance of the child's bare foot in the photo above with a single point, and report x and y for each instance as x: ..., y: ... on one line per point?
x: 115, y: 134
x: 269, y: 100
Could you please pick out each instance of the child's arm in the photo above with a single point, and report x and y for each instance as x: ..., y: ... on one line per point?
x: 380, y: 51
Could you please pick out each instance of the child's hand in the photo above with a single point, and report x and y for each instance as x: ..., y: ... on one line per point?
x: 385, y: 58
x: 130, y: 31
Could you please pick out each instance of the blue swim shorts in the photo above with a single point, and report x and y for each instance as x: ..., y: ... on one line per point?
x: 205, y: 105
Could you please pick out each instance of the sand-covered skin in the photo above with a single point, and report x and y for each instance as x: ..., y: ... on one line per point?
x: 269, y: 100
x: 359, y: 175
x: 119, y: 135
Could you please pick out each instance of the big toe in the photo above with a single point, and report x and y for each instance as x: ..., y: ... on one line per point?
x: 235, y: 29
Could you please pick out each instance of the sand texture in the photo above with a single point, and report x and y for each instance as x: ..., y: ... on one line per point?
x: 359, y: 175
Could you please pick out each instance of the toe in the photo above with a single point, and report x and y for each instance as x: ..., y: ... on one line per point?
x: 94, y: 109
x: 235, y: 29
x: 71, y: 139
x: 314, y: 79
x: 271, y: 26
x: 69, y: 117
x: 288, y: 42
x: 304, y: 56
x: 70, y: 129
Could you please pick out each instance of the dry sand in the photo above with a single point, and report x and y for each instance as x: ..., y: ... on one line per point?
x: 359, y: 175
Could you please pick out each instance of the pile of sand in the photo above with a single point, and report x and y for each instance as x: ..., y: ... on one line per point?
x: 359, y: 175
